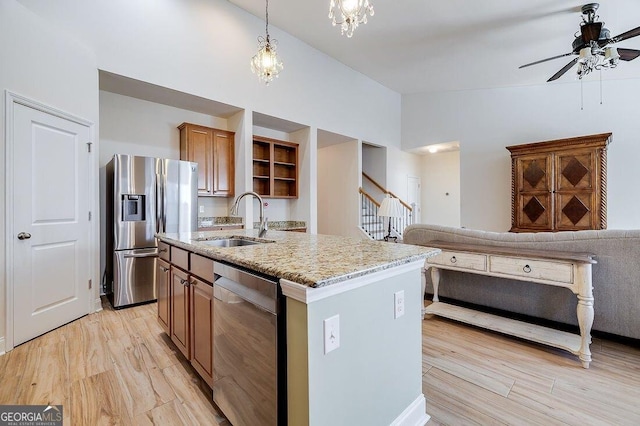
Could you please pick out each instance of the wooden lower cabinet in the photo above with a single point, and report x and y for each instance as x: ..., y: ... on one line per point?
x: 163, y: 279
x: 180, y: 306
x: 185, y: 307
x: 201, y: 293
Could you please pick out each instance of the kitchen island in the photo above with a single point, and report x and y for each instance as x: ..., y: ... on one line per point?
x: 371, y: 294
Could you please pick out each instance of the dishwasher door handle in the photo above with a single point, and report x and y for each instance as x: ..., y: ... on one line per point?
x: 264, y: 301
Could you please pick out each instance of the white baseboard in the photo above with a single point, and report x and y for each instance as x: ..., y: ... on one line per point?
x: 2, y: 346
x: 414, y: 415
x: 97, y: 305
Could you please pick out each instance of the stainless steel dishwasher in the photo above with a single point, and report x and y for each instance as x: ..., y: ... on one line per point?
x: 249, y: 379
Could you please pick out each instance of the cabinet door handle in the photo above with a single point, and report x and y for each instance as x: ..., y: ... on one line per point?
x: 184, y: 282
x: 453, y: 259
x: 164, y: 269
x: 526, y: 269
x: 194, y: 282
x: 24, y: 236
x: 162, y: 250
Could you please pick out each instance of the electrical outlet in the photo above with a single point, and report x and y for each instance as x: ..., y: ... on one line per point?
x: 331, y: 333
x: 398, y: 303
x: 201, y: 209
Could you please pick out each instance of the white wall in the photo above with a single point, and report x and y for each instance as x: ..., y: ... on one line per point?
x: 44, y: 64
x: 440, y: 192
x: 374, y: 375
x: 137, y: 127
x: 401, y: 165
x: 486, y: 121
x: 305, y: 207
x: 374, y: 163
x: 204, y: 47
x: 339, y: 175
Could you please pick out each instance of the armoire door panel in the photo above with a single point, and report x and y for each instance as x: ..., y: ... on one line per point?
x: 559, y: 185
x: 576, y: 171
x: 535, y: 211
x: 534, y: 173
x: 575, y: 211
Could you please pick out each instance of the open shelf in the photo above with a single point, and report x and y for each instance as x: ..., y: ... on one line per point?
x: 275, y: 168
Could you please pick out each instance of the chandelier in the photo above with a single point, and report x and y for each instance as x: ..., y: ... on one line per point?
x: 351, y: 13
x: 594, y: 57
x: 266, y: 63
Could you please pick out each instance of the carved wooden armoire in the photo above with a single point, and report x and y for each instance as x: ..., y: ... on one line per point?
x: 559, y: 185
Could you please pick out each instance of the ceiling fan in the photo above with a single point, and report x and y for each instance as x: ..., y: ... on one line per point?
x: 593, y: 45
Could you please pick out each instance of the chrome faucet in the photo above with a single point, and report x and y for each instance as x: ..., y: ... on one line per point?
x: 263, y: 220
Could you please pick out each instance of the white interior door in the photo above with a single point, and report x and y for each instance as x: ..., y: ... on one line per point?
x: 51, y: 231
x: 413, y: 194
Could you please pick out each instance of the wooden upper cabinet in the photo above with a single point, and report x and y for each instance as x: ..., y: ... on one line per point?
x: 213, y: 150
x: 560, y: 185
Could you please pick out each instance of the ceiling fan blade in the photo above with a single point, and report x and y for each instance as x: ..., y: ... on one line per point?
x: 563, y: 70
x: 624, y: 36
x: 629, y: 34
x: 545, y: 60
x: 628, y: 54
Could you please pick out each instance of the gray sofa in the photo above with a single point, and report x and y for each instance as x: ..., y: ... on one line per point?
x: 616, y: 276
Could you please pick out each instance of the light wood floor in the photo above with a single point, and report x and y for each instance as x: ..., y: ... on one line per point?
x: 473, y: 376
x: 117, y: 367
x: 112, y: 367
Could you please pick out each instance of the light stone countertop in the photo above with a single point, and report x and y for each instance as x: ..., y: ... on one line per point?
x: 307, y: 259
x: 224, y: 221
x: 283, y: 225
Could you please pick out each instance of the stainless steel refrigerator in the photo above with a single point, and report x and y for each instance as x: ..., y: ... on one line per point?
x: 144, y: 196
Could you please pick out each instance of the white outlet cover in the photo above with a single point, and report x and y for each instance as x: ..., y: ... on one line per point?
x: 331, y: 333
x: 398, y: 304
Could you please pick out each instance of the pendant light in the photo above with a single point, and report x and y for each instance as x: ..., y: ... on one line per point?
x: 266, y: 63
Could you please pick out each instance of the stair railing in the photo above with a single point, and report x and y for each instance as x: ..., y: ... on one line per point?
x: 398, y: 224
x: 369, y: 208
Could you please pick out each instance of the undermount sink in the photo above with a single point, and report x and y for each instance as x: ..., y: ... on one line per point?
x: 231, y: 242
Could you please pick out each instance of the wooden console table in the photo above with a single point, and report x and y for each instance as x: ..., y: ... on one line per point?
x: 562, y: 269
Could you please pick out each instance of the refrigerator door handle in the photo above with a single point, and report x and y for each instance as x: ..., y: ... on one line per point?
x: 158, y: 213
x: 127, y: 256
x: 164, y: 208
x: 164, y: 201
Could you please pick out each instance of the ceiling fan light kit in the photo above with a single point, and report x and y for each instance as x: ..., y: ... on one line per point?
x: 349, y: 14
x: 592, y: 45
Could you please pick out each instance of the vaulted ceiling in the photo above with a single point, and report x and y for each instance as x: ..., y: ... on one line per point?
x: 414, y: 46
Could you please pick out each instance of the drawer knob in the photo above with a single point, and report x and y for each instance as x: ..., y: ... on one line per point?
x: 526, y: 269
x: 453, y: 259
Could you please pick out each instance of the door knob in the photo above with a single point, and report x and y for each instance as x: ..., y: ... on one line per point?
x: 24, y: 236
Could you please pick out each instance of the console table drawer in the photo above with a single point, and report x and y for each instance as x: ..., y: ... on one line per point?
x: 533, y: 269
x: 475, y: 262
